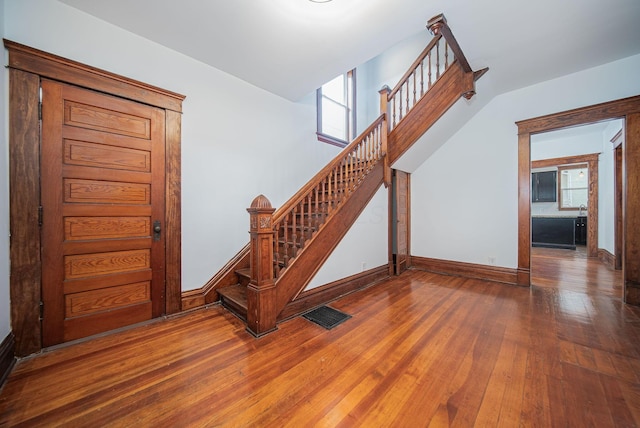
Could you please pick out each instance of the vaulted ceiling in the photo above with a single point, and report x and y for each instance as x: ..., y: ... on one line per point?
x: 290, y: 47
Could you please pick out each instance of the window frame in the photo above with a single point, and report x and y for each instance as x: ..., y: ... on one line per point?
x: 584, y: 166
x: 350, y: 116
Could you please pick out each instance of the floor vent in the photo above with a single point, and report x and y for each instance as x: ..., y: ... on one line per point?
x: 326, y: 317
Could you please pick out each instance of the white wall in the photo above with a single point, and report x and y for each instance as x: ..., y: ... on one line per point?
x: 571, y: 142
x: 237, y: 140
x: 363, y: 248
x: 464, y: 197
x: 5, y: 314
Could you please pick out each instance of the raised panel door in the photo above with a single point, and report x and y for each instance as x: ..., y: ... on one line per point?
x: 102, y: 189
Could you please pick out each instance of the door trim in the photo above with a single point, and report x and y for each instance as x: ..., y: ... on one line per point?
x: 617, y: 168
x: 627, y: 109
x: 26, y: 67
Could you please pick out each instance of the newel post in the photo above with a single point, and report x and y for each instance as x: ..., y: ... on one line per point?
x: 261, y: 291
x: 384, y: 109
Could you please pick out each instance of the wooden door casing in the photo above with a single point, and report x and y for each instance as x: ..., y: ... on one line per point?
x: 102, y: 187
x: 618, y: 195
x: 401, y: 218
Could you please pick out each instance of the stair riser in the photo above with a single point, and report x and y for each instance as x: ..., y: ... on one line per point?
x: 238, y: 310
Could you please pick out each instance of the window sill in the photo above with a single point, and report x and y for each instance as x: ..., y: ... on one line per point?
x: 331, y: 140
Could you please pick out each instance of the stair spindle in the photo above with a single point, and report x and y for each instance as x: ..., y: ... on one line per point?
x: 343, y: 180
x: 294, y: 234
x: 400, y: 99
x: 334, y: 194
x: 414, y: 86
x: 347, y: 175
x: 285, y: 258
x: 332, y: 189
x: 394, y: 111
x: 408, y: 90
x: 324, y: 200
x: 317, y: 219
x: 304, y: 220
x: 352, y: 172
x: 312, y: 216
x: 446, y: 55
x: 421, y: 78
x: 438, y: 60
x: 430, y: 82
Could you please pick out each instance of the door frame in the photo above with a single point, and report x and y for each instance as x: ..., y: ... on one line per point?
x: 617, y: 168
x: 394, y: 265
x: 27, y: 66
x: 627, y: 109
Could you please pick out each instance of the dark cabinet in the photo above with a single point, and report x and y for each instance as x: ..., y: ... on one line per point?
x: 543, y: 186
x: 581, y: 230
x: 553, y: 232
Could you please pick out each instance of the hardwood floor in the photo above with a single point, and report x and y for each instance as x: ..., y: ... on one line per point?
x: 421, y: 349
x: 573, y: 270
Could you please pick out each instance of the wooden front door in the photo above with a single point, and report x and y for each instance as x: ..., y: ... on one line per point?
x: 102, y: 196
x: 401, y: 220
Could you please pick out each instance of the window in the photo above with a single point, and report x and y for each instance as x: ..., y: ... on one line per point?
x: 573, y: 192
x: 336, y: 110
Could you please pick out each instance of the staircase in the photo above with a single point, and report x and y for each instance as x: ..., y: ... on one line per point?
x: 289, y: 245
x: 296, y: 231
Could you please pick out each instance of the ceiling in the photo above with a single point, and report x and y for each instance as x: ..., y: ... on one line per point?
x: 291, y: 47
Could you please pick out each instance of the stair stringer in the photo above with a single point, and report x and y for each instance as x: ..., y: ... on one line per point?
x: 316, y: 251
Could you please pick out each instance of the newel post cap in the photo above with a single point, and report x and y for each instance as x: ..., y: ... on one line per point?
x: 436, y: 23
x: 260, y: 203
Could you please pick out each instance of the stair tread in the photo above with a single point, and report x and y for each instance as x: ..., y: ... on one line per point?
x: 244, y: 272
x: 236, y: 293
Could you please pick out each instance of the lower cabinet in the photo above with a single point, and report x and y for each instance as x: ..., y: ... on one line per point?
x: 581, y: 230
x: 554, y: 232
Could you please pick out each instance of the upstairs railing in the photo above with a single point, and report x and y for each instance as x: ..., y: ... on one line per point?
x: 423, y: 73
x: 435, y: 59
x: 300, y: 218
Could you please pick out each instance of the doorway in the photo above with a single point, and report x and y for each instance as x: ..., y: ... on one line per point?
x: 627, y: 109
x: 576, y: 220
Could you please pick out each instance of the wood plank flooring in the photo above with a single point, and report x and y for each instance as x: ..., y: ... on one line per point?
x: 420, y: 350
